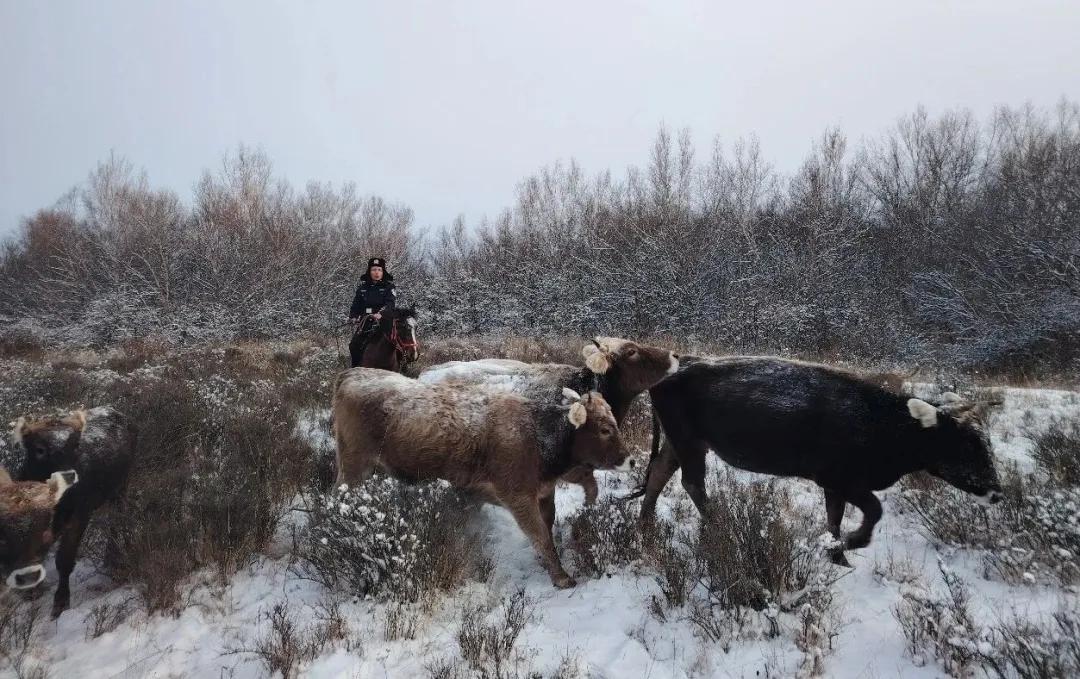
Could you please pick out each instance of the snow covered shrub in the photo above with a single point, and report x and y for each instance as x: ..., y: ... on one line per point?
x: 941, y: 626
x: 489, y: 647
x: 104, y: 618
x: 216, y: 465
x: 247, y: 466
x: 388, y: 540
x: 401, y: 621
x: 286, y: 645
x: 817, y: 625
x: 1034, y: 534
x: 670, y: 554
x: 749, y: 551
x: 1033, y: 650
x: 21, y: 338
x: 606, y: 535
x: 18, y: 620
x: 123, y: 314
x: 1057, y: 452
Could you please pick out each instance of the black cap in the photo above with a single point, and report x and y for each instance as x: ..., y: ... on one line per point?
x: 376, y: 261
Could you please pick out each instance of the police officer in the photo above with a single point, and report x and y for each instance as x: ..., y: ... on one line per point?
x: 374, y: 295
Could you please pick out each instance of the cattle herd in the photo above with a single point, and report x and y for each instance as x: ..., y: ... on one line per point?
x: 509, y: 431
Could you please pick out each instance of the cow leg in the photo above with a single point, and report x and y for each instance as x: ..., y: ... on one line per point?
x: 65, y: 560
x: 693, y: 475
x: 870, y: 507
x: 547, y: 510
x: 583, y: 476
x: 528, y: 514
x: 661, y: 468
x: 834, y: 511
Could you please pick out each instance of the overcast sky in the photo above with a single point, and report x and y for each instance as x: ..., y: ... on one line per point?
x: 445, y: 106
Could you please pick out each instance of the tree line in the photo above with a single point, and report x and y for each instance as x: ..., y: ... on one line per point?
x: 946, y: 237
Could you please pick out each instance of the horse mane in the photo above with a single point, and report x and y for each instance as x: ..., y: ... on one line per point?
x: 387, y: 320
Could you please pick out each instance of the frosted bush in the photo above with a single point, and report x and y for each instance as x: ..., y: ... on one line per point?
x: 1033, y: 536
x: 941, y: 626
x: 606, y: 535
x: 390, y: 541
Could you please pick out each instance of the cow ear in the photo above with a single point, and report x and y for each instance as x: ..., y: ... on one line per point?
x: 598, y: 362
x: 577, y: 415
x: 60, y: 482
x: 926, y: 414
x: 5, y: 478
x: 570, y: 395
x: 18, y: 428
x: 77, y: 420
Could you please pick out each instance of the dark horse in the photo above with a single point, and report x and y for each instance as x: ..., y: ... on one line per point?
x: 393, y: 343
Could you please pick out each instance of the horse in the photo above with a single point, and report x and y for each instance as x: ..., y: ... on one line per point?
x: 393, y: 344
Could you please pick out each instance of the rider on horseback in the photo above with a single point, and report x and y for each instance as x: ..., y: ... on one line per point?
x: 374, y: 295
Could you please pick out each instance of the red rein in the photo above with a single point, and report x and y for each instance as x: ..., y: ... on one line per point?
x: 400, y: 344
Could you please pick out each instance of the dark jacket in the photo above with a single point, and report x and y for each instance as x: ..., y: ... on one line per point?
x: 373, y: 296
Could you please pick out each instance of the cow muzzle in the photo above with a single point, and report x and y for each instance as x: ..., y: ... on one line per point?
x: 627, y: 465
x: 26, y: 577
x: 990, y: 498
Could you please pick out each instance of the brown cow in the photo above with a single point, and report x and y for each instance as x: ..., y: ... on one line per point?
x: 508, y: 448
x: 619, y: 369
x: 26, y: 516
x: 99, y: 445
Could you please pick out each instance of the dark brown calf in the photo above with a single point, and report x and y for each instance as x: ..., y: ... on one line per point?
x: 26, y: 517
x: 507, y: 448
x: 98, y: 445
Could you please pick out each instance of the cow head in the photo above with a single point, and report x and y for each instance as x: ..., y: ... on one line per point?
x: 957, y: 448
x: 597, y: 443
x: 51, y: 440
x: 26, y: 513
x: 634, y: 367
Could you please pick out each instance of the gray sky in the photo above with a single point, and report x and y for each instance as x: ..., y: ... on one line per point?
x: 445, y: 106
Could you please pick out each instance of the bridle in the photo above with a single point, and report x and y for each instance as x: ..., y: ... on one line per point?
x: 401, y: 344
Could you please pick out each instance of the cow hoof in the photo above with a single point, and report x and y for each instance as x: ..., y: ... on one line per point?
x: 856, y: 542
x: 563, y: 581
x: 838, y: 558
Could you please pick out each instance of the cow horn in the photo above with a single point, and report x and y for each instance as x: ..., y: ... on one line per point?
x: 570, y: 394
x: 5, y: 478
x: 17, y: 429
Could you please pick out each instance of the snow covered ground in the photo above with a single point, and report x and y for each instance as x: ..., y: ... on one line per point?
x: 603, y: 626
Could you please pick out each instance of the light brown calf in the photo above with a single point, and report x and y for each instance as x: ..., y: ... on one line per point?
x: 508, y: 448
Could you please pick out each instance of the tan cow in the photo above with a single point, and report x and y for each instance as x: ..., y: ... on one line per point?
x: 508, y: 448
x: 619, y: 369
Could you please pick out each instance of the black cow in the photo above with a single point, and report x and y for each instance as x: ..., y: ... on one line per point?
x: 98, y: 446
x: 791, y: 418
